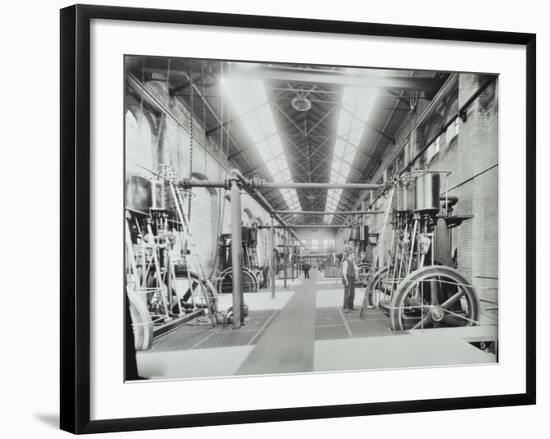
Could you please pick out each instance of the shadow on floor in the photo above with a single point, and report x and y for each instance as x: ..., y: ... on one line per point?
x: 49, y: 419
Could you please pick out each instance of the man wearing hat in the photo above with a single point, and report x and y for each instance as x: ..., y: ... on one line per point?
x: 349, y: 274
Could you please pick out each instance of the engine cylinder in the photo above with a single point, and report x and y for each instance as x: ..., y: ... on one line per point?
x: 406, y: 198
x: 427, y: 193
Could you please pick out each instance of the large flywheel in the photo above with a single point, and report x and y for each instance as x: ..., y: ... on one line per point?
x: 378, y: 290
x: 434, y: 296
x: 249, y: 281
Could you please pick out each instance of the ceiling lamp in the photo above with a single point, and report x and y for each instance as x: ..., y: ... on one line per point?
x: 301, y: 103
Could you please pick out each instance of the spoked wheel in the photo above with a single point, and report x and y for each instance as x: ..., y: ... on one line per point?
x: 250, y: 283
x: 142, y: 324
x: 431, y: 297
x: 378, y: 288
x: 364, y: 271
x: 191, y: 289
x: 259, y: 277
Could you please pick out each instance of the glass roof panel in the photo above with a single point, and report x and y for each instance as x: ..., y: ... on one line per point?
x: 248, y: 99
x: 357, y: 103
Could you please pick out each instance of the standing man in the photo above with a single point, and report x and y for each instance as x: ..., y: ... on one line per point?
x: 349, y: 274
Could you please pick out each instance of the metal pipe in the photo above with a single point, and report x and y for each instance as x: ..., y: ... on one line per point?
x: 192, y: 182
x: 260, y: 198
x: 451, y: 82
x: 286, y: 258
x: 299, y: 185
x: 328, y: 212
x: 319, y: 226
x: 460, y: 113
x: 250, y: 186
x: 273, y: 260
x: 307, y: 226
x: 236, y: 254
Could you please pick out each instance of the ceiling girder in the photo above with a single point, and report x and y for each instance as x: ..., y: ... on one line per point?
x: 342, y: 78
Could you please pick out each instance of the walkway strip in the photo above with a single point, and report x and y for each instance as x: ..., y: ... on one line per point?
x: 288, y: 343
x: 346, y: 324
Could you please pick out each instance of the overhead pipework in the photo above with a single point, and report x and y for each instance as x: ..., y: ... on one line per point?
x: 251, y: 186
x: 328, y: 212
x: 258, y: 183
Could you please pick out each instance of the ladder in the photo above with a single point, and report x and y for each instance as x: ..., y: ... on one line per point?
x: 377, y: 260
x: 207, y: 292
x: 150, y: 264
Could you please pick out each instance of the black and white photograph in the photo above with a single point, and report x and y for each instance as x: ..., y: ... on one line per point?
x: 288, y: 218
x: 275, y: 220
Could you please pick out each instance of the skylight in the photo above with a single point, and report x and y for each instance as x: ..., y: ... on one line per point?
x: 357, y: 103
x: 249, y: 100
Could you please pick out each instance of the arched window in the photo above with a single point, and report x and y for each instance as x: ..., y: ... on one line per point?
x: 248, y: 217
x: 139, y: 144
x: 204, y: 222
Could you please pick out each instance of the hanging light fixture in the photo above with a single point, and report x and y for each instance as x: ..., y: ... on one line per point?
x: 300, y: 103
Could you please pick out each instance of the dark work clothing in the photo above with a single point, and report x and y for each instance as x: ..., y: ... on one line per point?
x: 349, y: 269
x: 349, y: 292
x: 349, y: 273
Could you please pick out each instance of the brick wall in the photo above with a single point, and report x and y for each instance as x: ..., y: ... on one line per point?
x: 155, y: 139
x: 472, y: 156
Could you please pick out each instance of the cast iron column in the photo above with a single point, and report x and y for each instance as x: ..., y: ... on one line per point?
x: 236, y: 254
x: 273, y: 261
x: 285, y: 243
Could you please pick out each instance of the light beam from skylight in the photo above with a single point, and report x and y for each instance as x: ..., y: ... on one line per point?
x: 247, y: 98
x: 357, y: 103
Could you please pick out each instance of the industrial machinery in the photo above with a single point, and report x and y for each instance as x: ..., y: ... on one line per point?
x: 164, y: 279
x: 419, y: 286
x: 359, y: 239
x: 252, y: 274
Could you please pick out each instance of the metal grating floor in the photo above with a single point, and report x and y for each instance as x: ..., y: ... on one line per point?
x: 329, y: 324
x: 193, y: 336
x: 223, y: 339
x: 331, y: 332
x: 333, y: 318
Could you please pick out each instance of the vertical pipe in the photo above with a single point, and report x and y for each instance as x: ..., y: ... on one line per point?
x: 273, y: 261
x: 411, y: 243
x: 285, y: 242
x: 236, y: 254
x: 291, y: 256
x: 402, y: 258
x: 169, y: 278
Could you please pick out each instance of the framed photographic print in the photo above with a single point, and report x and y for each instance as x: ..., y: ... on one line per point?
x: 253, y: 205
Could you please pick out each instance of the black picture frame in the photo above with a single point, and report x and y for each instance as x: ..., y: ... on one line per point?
x: 75, y: 217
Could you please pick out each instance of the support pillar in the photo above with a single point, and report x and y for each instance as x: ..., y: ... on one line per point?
x: 273, y: 261
x: 286, y: 256
x: 236, y: 255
